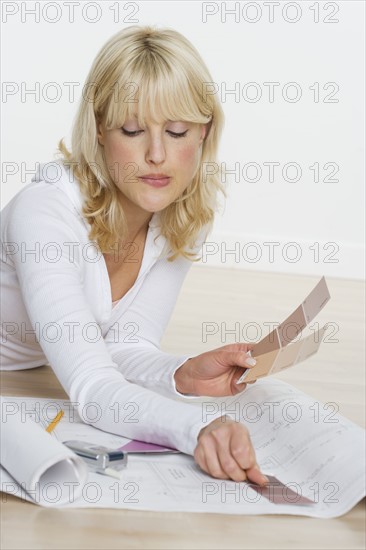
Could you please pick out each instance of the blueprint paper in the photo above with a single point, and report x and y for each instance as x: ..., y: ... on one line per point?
x: 305, y: 444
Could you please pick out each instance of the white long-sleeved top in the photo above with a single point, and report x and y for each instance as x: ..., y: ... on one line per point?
x: 56, y: 309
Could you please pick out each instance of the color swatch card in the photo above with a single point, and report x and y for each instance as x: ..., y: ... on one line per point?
x: 136, y: 447
x: 273, y: 353
x: 280, y: 493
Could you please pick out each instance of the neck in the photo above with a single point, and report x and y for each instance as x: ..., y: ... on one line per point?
x: 137, y: 219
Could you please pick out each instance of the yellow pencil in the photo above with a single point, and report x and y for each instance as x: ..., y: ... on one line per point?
x: 54, y: 422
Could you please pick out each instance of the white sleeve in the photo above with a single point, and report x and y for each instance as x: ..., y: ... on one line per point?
x: 54, y: 296
x: 134, y: 339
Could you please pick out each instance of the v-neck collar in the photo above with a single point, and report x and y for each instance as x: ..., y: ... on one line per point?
x: 154, y: 243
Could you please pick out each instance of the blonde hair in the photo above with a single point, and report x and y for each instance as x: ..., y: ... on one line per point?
x: 155, y: 71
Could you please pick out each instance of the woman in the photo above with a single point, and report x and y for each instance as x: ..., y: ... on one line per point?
x: 96, y: 248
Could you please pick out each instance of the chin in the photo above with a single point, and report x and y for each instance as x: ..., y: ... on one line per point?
x: 154, y: 206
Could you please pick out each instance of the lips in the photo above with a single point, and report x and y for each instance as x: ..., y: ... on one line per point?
x: 159, y: 180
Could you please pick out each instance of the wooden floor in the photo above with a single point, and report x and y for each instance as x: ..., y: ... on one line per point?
x: 221, y: 297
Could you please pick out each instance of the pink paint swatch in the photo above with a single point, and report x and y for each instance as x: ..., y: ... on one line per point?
x: 136, y: 446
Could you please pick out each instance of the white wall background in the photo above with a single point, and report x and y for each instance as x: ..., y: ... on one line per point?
x: 323, y: 218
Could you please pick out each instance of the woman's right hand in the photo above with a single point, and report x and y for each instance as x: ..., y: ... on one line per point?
x: 225, y: 451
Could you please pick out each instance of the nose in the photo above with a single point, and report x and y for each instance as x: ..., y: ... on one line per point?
x: 155, y: 149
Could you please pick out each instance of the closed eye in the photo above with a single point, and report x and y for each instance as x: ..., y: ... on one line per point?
x: 131, y: 134
x: 175, y: 135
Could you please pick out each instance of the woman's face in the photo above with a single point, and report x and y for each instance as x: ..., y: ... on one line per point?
x: 168, y: 152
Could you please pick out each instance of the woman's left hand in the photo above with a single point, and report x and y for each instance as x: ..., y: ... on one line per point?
x: 215, y: 373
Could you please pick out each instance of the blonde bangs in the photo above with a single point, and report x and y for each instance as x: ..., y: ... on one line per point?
x: 156, y: 91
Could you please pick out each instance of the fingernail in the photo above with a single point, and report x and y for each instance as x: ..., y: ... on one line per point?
x: 264, y: 479
x: 250, y: 362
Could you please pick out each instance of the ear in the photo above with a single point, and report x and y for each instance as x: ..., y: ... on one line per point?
x: 205, y: 130
x: 100, y: 134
